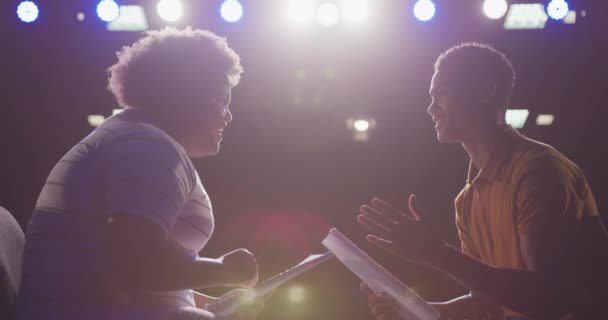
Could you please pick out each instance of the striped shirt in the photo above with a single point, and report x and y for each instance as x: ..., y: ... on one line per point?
x: 126, y: 165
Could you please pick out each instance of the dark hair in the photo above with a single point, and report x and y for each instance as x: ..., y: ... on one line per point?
x: 169, y: 63
x: 472, y: 64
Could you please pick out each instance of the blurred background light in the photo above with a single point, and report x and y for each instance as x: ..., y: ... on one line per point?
x: 95, y: 120
x: 361, y: 125
x: 517, y: 117
x: 526, y: 16
x: 131, y: 18
x: 170, y: 10
x: 570, y: 18
x: 328, y: 14
x: 27, y: 11
x: 301, y: 11
x: 231, y: 10
x: 296, y: 294
x: 107, y: 10
x: 355, y: 10
x: 495, y: 9
x: 557, y: 9
x: 544, y: 120
x: 424, y: 10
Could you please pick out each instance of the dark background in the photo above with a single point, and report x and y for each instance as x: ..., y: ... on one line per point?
x: 288, y: 172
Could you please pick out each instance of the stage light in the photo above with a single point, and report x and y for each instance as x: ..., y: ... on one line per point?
x: 355, y: 10
x: 544, y: 120
x: 301, y: 11
x: 557, y: 9
x: 95, y: 120
x: 328, y: 14
x: 231, y: 10
x: 131, y: 18
x: 80, y: 16
x: 570, y: 18
x: 517, y: 117
x: 107, y: 10
x: 495, y: 9
x: 424, y: 10
x: 361, y: 125
x: 169, y: 10
x: 27, y: 11
x: 296, y: 294
x: 526, y: 16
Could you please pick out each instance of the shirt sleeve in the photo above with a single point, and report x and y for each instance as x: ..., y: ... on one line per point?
x: 549, y: 193
x: 146, y: 175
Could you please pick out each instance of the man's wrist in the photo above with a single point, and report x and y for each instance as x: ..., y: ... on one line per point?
x: 440, y: 256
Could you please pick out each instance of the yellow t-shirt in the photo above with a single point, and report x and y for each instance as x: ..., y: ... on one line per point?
x: 524, y: 185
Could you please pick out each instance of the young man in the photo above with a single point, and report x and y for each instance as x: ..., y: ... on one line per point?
x: 526, y: 218
x: 119, y: 224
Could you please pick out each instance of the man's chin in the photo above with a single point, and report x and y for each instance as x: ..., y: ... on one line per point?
x: 443, y: 138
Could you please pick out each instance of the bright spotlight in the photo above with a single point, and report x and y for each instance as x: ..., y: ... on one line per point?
x: 108, y: 10
x: 95, y: 120
x: 361, y: 125
x: 424, y: 10
x: 301, y: 11
x: 355, y: 10
x: 231, y: 10
x: 328, y: 14
x: 544, y: 120
x: 296, y: 294
x: 27, y: 11
x: 169, y: 10
x: 557, y: 9
x: 517, y: 117
x: 495, y: 9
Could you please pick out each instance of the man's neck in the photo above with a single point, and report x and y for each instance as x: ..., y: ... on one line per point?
x: 480, y: 147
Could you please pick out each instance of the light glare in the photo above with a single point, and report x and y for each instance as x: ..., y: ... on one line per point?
x: 301, y: 11
x: 495, y: 9
x: 108, y: 10
x: 526, y: 16
x: 424, y: 10
x: 544, y: 120
x: 27, y: 11
x: 517, y: 117
x: 355, y: 10
x: 169, y: 10
x: 361, y: 125
x: 557, y: 9
x: 95, y: 120
x: 231, y: 10
x: 296, y: 294
x: 328, y: 14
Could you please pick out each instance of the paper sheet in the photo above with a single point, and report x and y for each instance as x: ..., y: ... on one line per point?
x: 229, y: 303
x: 377, y: 278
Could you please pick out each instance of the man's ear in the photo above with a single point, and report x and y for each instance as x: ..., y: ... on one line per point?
x: 487, y: 91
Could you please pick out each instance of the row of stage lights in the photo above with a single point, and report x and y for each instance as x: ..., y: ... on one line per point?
x: 361, y: 127
x: 328, y: 13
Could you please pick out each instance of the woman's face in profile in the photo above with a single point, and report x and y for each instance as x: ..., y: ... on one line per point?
x: 204, y: 121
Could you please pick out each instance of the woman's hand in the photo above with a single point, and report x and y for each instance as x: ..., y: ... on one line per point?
x: 239, y: 268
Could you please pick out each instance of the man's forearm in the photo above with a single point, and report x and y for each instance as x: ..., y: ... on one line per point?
x: 529, y: 292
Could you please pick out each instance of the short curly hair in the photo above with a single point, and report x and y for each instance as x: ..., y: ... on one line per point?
x: 471, y: 63
x: 169, y: 63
